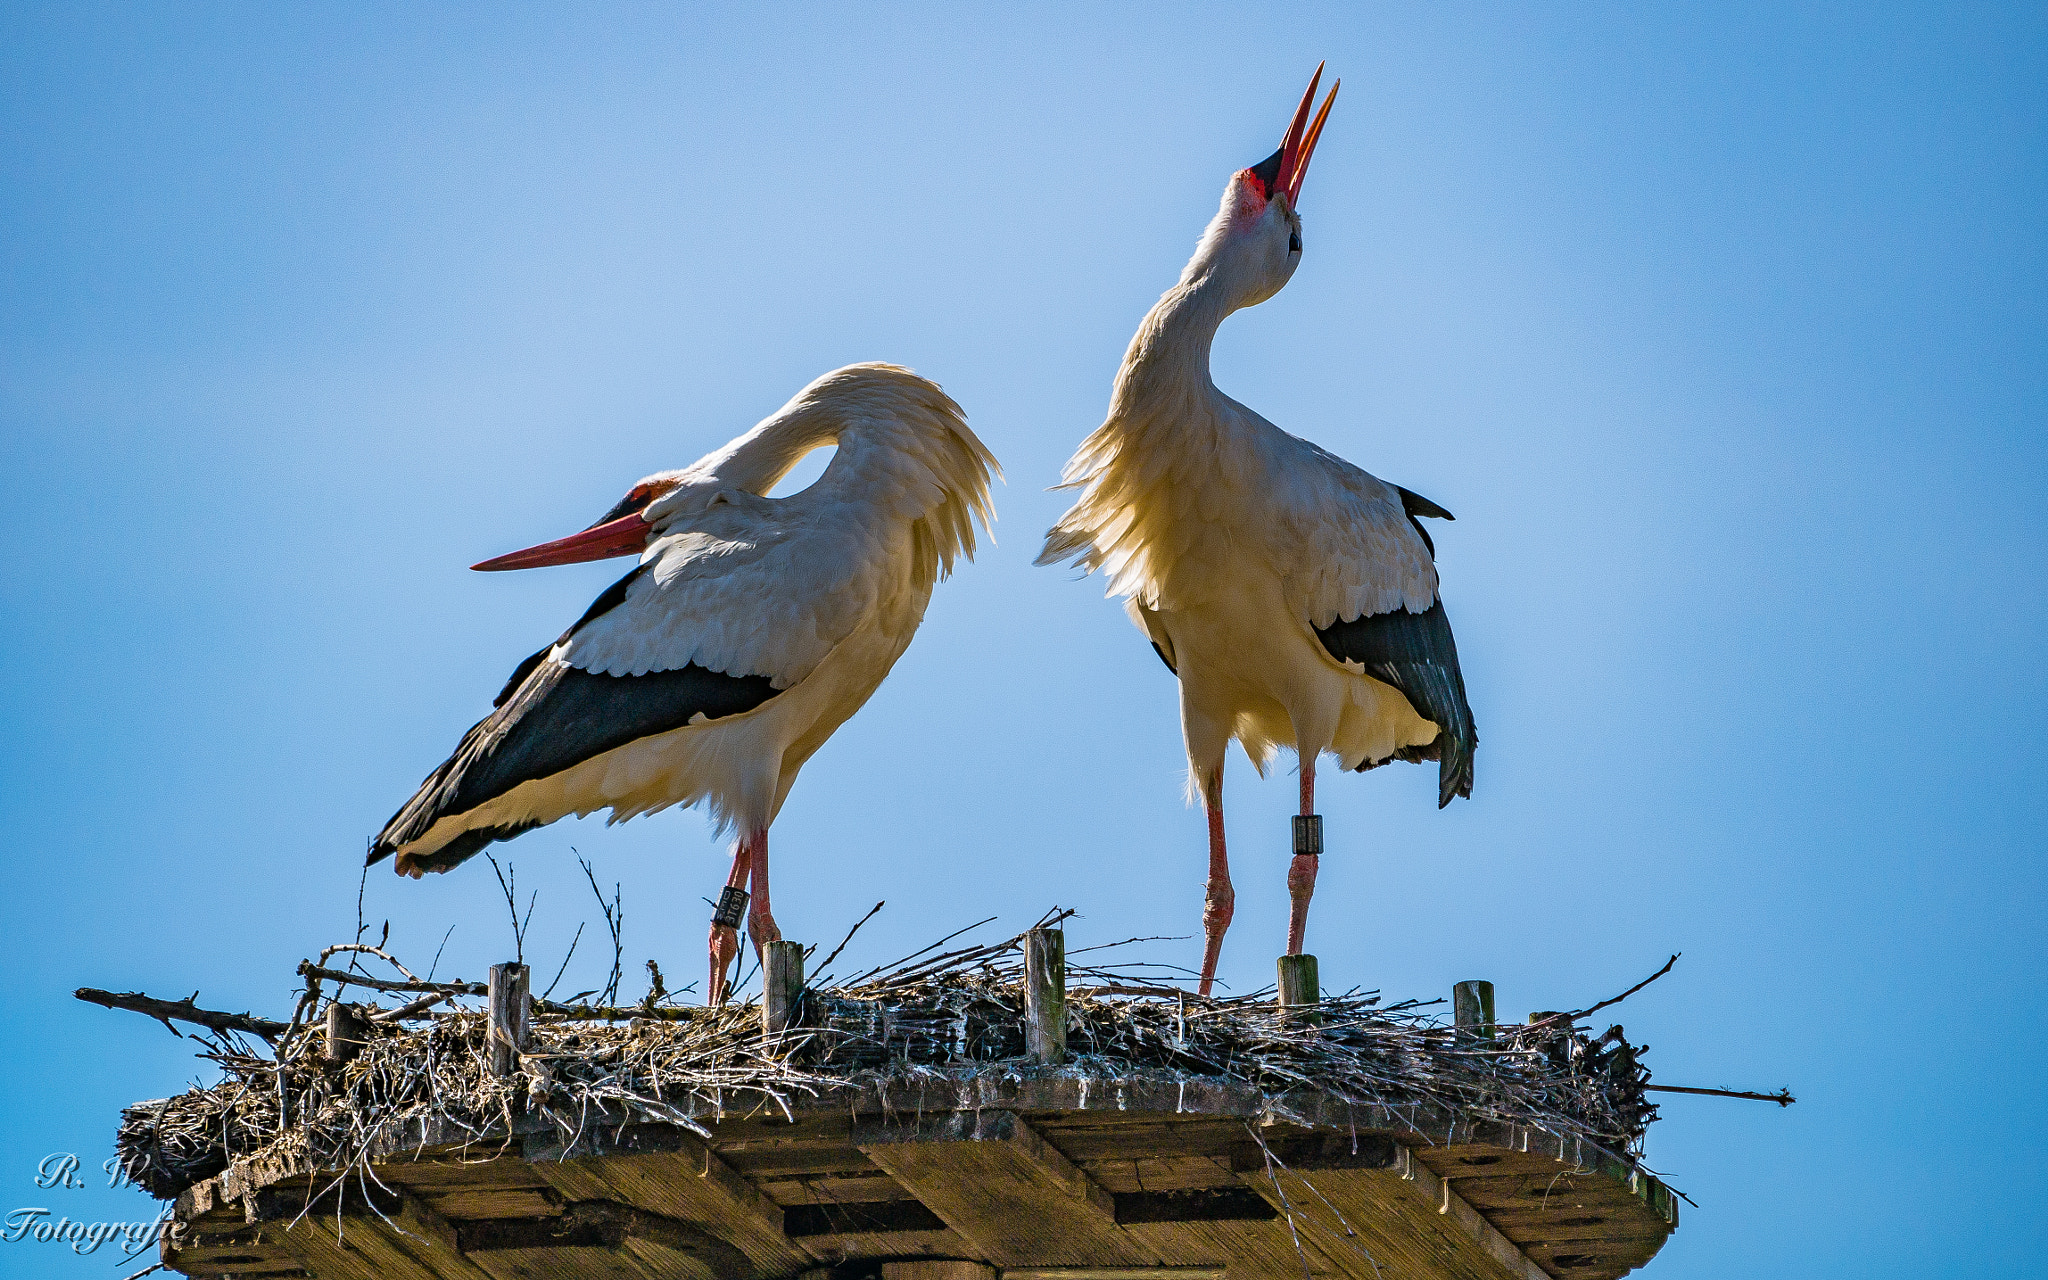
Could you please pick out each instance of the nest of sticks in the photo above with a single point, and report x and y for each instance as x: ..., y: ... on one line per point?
x: 426, y: 1062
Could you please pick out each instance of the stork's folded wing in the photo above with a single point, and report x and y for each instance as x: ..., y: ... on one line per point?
x: 1416, y: 654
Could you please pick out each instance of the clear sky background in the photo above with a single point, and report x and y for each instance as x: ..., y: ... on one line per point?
x: 1721, y: 330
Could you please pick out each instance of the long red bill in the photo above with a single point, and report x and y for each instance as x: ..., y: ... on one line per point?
x: 1291, y: 177
x: 625, y: 536
x: 1290, y: 146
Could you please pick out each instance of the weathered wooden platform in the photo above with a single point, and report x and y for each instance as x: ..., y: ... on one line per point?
x: 1018, y: 1173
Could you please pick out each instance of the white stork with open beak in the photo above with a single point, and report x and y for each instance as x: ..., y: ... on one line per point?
x: 1293, y: 594
x: 751, y: 629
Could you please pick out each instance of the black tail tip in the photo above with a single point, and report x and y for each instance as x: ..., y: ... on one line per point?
x: 1454, y: 779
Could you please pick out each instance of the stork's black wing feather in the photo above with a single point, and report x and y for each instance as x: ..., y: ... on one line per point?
x: 549, y: 718
x: 1416, y: 653
x: 1419, y: 507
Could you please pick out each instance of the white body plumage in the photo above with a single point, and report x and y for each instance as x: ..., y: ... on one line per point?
x: 788, y: 612
x: 1231, y: 540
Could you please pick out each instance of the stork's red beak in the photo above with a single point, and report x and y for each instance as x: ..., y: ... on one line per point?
x: 625, y: 536
x: 1283, y: 171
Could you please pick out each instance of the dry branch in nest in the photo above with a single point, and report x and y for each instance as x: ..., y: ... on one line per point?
x: 951, y: 1012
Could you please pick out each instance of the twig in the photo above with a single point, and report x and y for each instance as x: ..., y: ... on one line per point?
x: 362, y: 885
x: 403, y: 1012
x: 510, y: 884
x: 437, y: 952
x: 186, y: 1010
x: 1590, y: 1011
x: 310, y: 970
x: 849, y: 936
x: 1782, y: 1097
x: 366, y: 948
x: 602, y: 1013
x: 614, y: 920
x: 1593, y: 1009
x: 922, y: 950
x: 565, y: 964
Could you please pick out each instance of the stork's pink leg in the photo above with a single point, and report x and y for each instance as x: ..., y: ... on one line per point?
x: 725, y: 938
x: 760, y: 923
x: 1301, y: 874
x: 1220, y: 903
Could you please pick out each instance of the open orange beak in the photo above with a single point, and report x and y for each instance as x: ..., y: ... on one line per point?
x: 625, y: 536
x: 1300, y: 143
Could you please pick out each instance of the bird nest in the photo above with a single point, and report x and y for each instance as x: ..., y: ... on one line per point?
x: 951, y: 1017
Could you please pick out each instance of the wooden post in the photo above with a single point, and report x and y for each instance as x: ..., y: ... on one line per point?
x: 347, y: 1030
x: 510, y: 1011
x: 1301, y: 988
x: 1045, y: 994
x: 782, y: 987
x: 1472, y: 1008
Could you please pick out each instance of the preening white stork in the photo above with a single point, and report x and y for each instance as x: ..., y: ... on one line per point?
x: 751, y: 629
x: 1293, y: 594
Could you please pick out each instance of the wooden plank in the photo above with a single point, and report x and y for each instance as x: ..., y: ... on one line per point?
x: 1162, y: 1173
x: 333, y: 1252
x: 1394, y: 1220
x: 1251, y: 1250
x: 434, y: 1240
x: 874, y: 1229
x: 1111, y: 1273
x: 412, y: 1243
x: 495, y: 1173
x: 835, y: 1188
x: 1528, y: 1227
x: 796, y: 1161
x: 692, y: 1186
x: 1472, y: 1160
x: 860, y: 1217
x: 996, y: 1126
x: 1142, y: 1133
x: 1559, y: 1191
x: 380, y: 1249
x: 1220, y: 1204
x: 600, y: 1240
x: 930, y: 1269
x: 1455, y: 1209
x: 988, y: 1176
x: 521, y: 1202
x: 240, y: 1253
x: 1313, y: 1151
x: 1575, y: 1259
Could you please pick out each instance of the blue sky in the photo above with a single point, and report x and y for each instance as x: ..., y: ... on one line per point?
x: 1721, y: 330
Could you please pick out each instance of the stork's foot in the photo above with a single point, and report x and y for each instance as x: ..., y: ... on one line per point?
x: 725, y: 944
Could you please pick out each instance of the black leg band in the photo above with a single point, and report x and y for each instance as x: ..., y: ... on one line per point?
x: 732, y: 905
x: 1308, y: 836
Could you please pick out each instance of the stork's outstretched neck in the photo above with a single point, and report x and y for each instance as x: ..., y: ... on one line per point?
x: 1292, y: 594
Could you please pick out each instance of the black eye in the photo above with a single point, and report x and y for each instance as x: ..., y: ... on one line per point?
x: 1294, y: 242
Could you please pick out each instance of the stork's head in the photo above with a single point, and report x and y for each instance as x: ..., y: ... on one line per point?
x: 649, y: 509
x: 622, y: 531
x: 1256, y: 236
